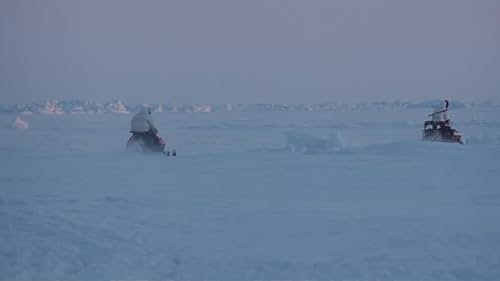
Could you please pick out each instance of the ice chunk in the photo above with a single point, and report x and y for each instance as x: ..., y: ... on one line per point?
x: 20, y: 124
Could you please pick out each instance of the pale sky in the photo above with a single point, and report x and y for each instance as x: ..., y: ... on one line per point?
x: 212, y: 51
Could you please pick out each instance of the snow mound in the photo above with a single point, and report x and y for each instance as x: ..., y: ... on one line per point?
x: 20, y: 124
x: 306, y: 143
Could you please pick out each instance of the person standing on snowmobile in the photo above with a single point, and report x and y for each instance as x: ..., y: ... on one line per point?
x: 440, y: 117
x: 142, y: 125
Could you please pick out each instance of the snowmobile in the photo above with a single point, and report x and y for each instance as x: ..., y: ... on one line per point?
x: 148, y: 143
x: 440, y: 130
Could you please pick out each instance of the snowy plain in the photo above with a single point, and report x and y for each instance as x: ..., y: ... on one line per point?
x: 251, y: 196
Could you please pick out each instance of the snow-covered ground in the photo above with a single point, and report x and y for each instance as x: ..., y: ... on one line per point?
x: 251, y: 196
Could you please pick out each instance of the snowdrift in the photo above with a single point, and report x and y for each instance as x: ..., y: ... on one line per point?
x: 306, y: 143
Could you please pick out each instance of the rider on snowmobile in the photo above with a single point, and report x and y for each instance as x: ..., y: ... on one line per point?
x: 440, y: 115
x: 142, y: 121
x: 142, y: 125
x: 440, y: 118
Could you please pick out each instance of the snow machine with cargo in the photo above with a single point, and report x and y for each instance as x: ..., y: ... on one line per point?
x: 439, y: 128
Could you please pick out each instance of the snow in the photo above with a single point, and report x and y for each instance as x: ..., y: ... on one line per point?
x: 236, y: 204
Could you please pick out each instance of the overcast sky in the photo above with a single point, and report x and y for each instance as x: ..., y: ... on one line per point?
x: 212, y: 51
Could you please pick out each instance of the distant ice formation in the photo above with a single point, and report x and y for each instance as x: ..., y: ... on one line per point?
x: 119, y: 107
x: 116, y: 106
x: 50, y: 107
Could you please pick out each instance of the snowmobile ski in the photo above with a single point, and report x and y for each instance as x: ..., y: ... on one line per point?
x: 170, y: 153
